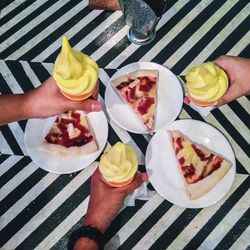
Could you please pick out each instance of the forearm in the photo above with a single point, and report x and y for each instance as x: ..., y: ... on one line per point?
x: 13, y: 108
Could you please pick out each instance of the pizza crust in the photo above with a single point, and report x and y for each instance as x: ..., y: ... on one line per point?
x: 203, y: 186
x: 135, y: 75
x: 61, y: 151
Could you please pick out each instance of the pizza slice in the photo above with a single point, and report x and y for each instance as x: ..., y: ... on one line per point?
x: 138, y: 90
x: 70, y: 135
x: 201, y: 168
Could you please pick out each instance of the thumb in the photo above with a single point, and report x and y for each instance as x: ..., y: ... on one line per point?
x: 137, y: 181
x: 89, y: 105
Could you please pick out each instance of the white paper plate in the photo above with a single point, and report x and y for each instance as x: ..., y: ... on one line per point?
x: 36, y: 130
x: 163, y: 170
x: 169, y: 99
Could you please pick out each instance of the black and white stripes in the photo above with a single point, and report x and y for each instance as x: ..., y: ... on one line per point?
x: 39, y: 209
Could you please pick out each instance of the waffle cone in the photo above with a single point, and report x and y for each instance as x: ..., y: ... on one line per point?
x: 84, y: 96
x: 201, y: 103
x: 117, y: 184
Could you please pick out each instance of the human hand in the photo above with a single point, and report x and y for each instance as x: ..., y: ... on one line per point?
x: 238, y: 72
x: 106, y: 201
x: 47, y: 100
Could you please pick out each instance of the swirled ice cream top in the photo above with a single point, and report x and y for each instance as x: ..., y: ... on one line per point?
x: 74, y: 72
x: 119, y: 163
x: 206, y: 82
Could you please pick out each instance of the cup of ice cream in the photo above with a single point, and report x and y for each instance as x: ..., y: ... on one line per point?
x: 206, y: 84
x: 76, y: 74
x: 118, y: 165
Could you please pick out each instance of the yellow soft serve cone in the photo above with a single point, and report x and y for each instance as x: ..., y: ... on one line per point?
x: 206, y: 83
x: 76, y: 74
x: 119, y: 165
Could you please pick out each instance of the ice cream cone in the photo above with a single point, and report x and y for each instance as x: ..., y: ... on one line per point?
x: 76, y: 74
x: 206, y: 84
x: 120, y: 184
x: 118, y: 165
x: 79, y: 97
x: 201, y: 103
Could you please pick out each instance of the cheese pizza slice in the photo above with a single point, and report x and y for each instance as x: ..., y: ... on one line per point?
x: 70, y: 135
x: 138, y: 90
x: 201, y: 168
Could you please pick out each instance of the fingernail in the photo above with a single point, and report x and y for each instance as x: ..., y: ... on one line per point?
x: 96, y: 106
x: 144, y: 176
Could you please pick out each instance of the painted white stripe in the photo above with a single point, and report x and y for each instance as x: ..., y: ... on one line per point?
x: 98, y: 30
x: 9, y: 163
x: 240, y: 154
x: 236, y: 122
x: 243, y: 101
x: 227, y: 223
x: 19, y: 135
x: 30, y: 73
x: 64, y: 227
x: 134, y: 222
x: 104, y: 77
x: 243, y: 241
x: 36, y: 190
x: 48, y: 67
x: 12, y: 22
x: 123, y: 134
x: 4, y: 146
x: 203, y: 217
x: 11, y: 7
x: 69, y: 33
x: 133, y: 47
x: 217, y: 40
x: 51, y: 28
x: 159, y: 228
x: 9, y: 78
x: 113, y: 41
x: 198, y: 34
x: 115, y: 63
x: 120, y: 35
x: 240, y: 45
x: 50, y: 207
x: 175, y: 30
x: 17, y: 180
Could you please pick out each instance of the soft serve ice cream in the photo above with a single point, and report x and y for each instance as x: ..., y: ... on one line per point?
x: 76, y: 74
x: 205, y: 84
x: 119, y: 165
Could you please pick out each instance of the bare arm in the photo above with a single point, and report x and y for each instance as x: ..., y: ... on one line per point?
x: 42, y: 102
x: 12, y: 108
x: 104, y: 204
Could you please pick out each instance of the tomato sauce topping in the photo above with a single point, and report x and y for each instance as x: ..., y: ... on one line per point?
x: 201, y: 155
x: 124, y: 84
x: 130, y: 94
x: 145, y: 104
x: 179, y: 142
x: 146, y: 83
x: 63, y: 138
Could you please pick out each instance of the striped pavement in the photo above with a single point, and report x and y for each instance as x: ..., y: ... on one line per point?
x: 38, y: 210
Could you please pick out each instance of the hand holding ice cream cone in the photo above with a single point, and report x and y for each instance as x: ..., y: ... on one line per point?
x: 238, y: 72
